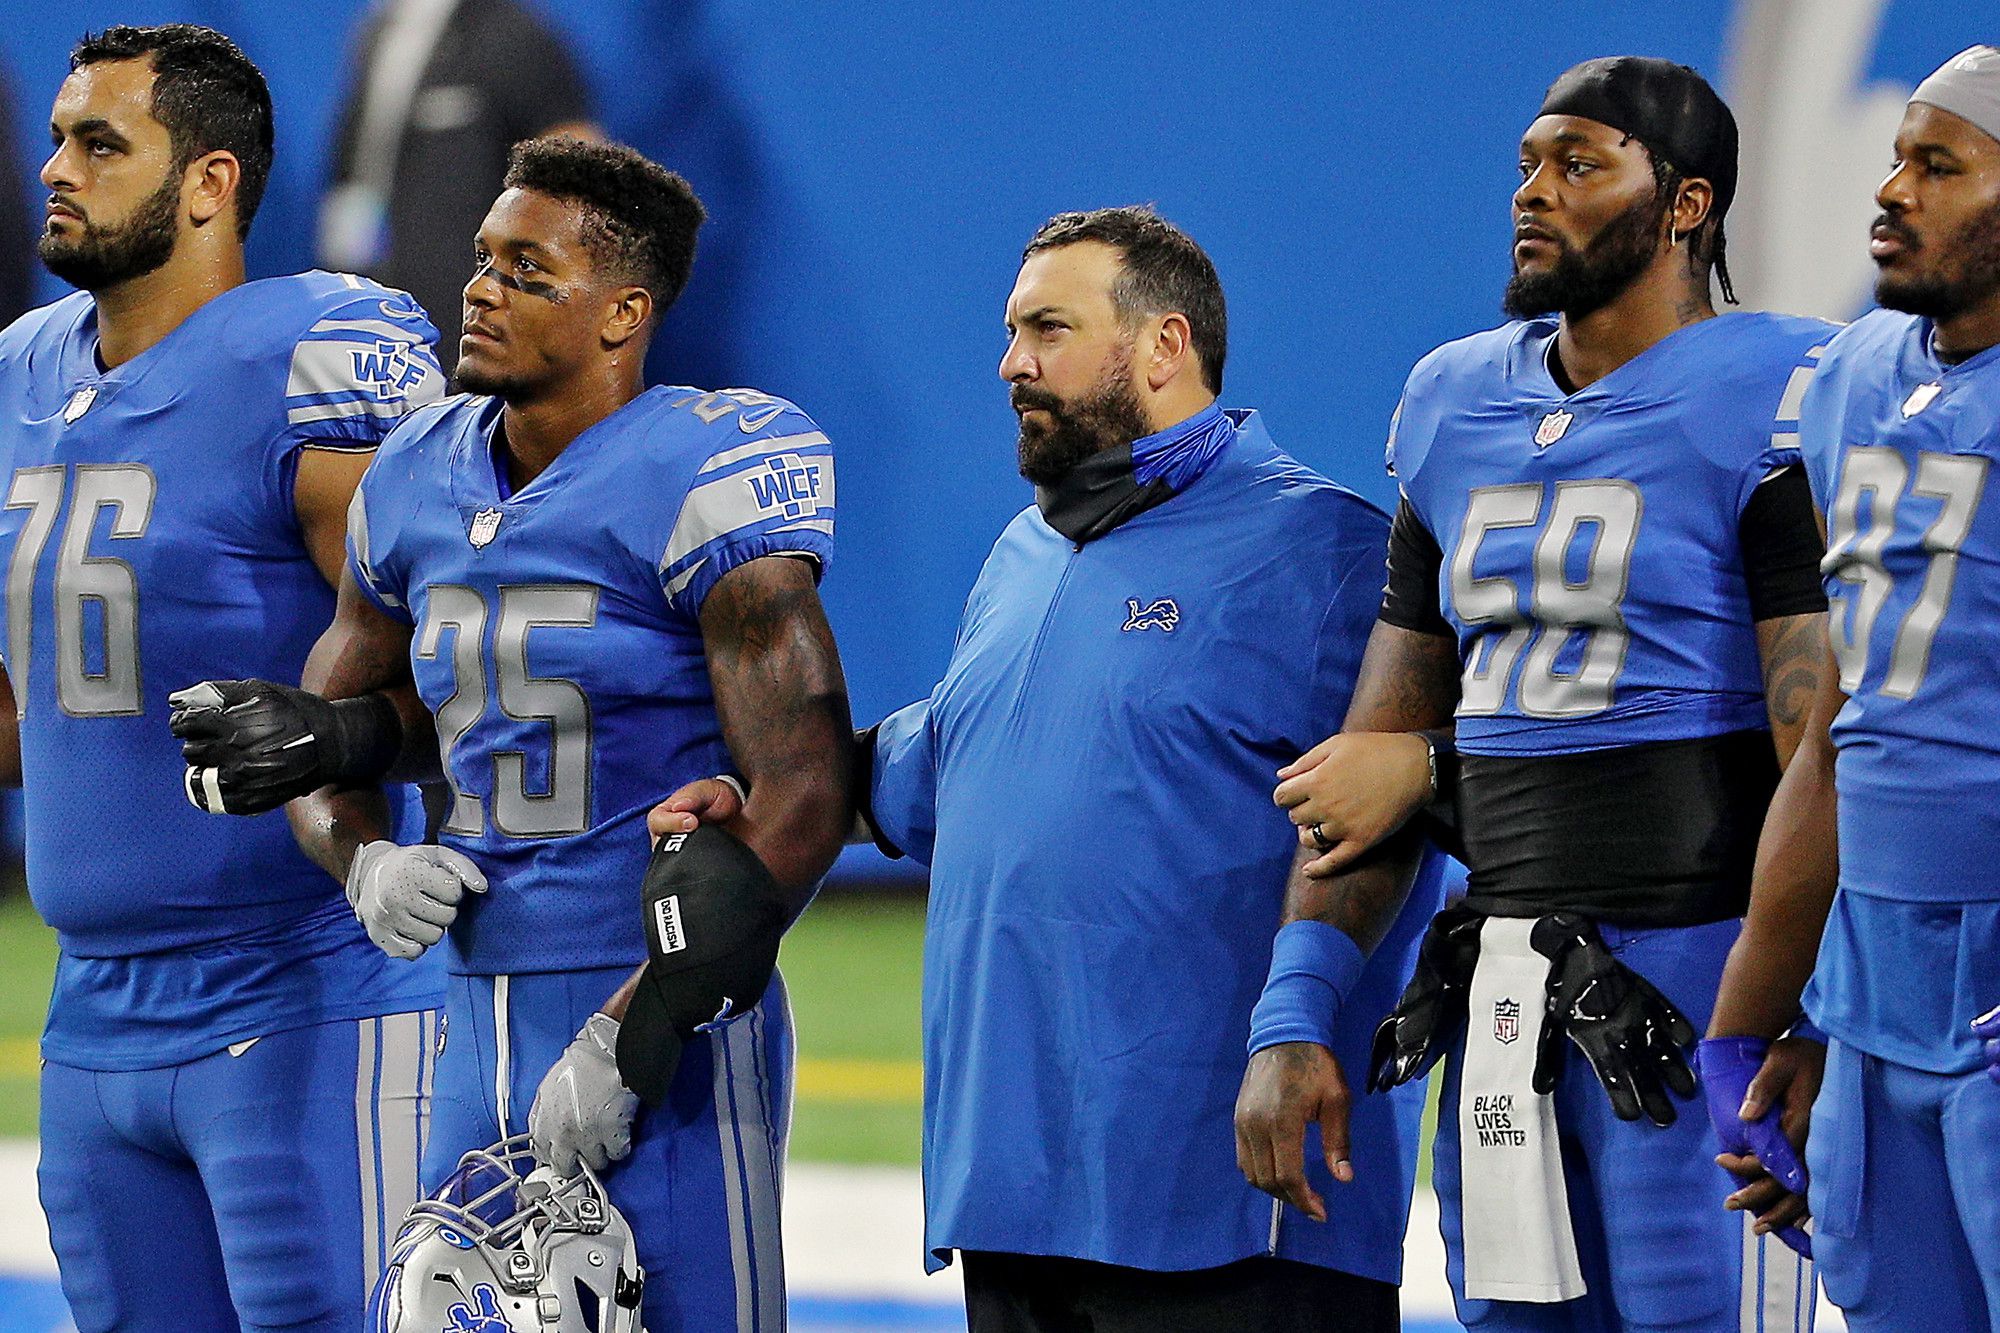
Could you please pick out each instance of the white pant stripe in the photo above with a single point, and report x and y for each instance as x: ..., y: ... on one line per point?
x: 1780, y: 1291
x: 402, y: 1099
x: 749, y: 1172
x: 503, y: 1058
x: 367, y: 1158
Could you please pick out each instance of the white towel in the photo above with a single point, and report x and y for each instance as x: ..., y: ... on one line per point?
x: 1515, y: 1204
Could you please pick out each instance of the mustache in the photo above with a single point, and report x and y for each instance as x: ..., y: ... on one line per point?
x: 57, y: 201
x: 1026, y: 399
x: 1898, y: 228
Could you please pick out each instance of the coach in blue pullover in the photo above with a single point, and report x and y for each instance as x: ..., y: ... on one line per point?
x: 1180, y: 612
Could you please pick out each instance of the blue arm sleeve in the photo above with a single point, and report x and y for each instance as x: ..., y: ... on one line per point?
x: 902, y: 788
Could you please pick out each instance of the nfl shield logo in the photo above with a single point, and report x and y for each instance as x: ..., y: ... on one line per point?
x: 1552, y: 428
x: 1506, y: 1021
x: 485, y: 524
x: 79, y: 403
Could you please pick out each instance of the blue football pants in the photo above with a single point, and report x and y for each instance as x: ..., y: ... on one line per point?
x: 1657, y: 1249
x: 700, y: 1188
x: 256, y: 1188
x: 1905, y: 1194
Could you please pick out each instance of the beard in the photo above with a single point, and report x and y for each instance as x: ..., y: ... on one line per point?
x: 1967, y: 273
x: 1107, y: 416
x: 103, y: 257
x: 1583, y: 281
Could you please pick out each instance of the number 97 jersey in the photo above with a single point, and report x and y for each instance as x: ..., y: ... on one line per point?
x: 557, y: 637
x: 1900, y: 450
x: 1592, y: 566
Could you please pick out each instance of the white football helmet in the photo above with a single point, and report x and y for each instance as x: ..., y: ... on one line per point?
x: 505, y: 1247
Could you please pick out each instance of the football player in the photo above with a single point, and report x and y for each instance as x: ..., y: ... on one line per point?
x: 1899, y: 432
x: 1603, y: 567
x: 233, y: 1079
x: 603, y: 591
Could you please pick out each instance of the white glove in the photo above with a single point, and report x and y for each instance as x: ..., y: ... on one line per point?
x: 407, y: 896
x: 582, y: 1111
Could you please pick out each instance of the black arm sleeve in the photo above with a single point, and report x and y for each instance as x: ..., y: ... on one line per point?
x: 1411, y: 599
x: 1779, y: 535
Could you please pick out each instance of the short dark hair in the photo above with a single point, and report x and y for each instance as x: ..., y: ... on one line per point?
x: 1161, y: 270
x: 643, y: 218
x: 206, y: 92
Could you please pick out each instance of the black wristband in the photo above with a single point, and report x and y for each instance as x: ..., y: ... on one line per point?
x: 361, y: 740
x: 1443, y: 745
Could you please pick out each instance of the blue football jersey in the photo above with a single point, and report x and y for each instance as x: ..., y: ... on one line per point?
x: 1899, y: 449
x: 1592, y: 568
x: 150, y: 542
x: 558, y: 643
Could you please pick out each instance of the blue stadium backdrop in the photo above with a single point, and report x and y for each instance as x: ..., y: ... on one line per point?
x: 872, y: 175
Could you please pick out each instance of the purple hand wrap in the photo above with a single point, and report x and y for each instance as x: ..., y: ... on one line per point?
x: 1727, y: 1066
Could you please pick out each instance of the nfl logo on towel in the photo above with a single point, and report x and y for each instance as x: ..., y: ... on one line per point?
x: 1506, y: 1021
x: 1552, y: 428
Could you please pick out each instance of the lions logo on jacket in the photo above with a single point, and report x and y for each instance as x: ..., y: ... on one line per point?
x: 1160, y: 613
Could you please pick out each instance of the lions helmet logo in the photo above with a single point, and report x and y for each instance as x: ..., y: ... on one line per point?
x: 486, y: 1318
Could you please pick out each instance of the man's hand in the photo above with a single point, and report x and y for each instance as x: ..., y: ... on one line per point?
x: 1285, y: 1087
x: 1632, y: 1035
x: 705, y: 801
x: 252, y: 745
x: 582, y: 1111
x: 1760, y: 1097
x: 1351, y: 791
x: 407, y: 897
x: 1987, y: 1026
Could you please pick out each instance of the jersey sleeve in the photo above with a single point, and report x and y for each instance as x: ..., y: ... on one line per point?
x: 360, y: 369
x: 1782, y: 449
x: 772, y: 494
x: 370, y: 550
x: 902, y: 789
x: 1343, y: 637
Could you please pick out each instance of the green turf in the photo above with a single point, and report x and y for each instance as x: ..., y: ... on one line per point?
x: 27, y: 963
x: 852, y: 965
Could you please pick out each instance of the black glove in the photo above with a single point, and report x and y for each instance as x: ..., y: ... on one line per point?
x: 1413, y: 1036
x: 252, y: 745
x: 1632, y: 1035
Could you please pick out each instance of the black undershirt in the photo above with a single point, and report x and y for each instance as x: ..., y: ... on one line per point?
x: 1658, y: 834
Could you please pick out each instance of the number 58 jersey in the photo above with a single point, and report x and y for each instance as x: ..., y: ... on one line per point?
x: 1900, y: 451
x: 557, y: 639
x: 1591, y: 562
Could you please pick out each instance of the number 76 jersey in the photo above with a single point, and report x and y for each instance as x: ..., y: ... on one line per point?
x: 1900, y: 451
x: 1592, y: 562
x: 557, y: 637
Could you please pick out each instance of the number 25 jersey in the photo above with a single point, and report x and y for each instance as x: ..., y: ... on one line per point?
x: 1592, y: 566
x: 557, y: 638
